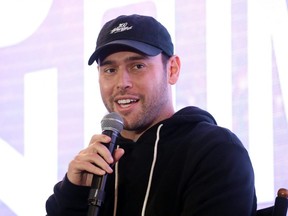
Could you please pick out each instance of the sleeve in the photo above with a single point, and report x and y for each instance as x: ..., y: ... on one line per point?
x: 223, y: 183
x: 68, y: 199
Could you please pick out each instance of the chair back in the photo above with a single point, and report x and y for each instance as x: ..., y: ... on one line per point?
x: 280, y: 205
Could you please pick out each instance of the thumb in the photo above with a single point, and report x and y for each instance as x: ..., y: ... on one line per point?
x: 118, y: 153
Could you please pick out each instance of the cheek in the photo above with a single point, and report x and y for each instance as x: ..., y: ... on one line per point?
x: 105, y: 86
x: 105, y: 91
x: 105, y: 96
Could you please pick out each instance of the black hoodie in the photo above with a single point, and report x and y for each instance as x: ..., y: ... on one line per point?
x: 183, y: 166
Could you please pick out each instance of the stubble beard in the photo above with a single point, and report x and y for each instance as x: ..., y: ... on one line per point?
x: 150, y: 112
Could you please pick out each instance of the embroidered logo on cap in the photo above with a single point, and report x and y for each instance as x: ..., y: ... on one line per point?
x: 122, y: 27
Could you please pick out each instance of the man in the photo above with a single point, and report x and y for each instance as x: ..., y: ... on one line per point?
x: 167, y: 163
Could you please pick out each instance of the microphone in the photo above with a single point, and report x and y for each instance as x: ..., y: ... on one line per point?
x: 112, y: 125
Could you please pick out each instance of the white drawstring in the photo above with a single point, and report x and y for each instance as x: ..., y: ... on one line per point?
x: 116, y: 187
x: 150, y: 177
x: 151, y: 170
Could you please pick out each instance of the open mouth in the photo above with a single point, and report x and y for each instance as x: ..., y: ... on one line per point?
x: 126, y: 102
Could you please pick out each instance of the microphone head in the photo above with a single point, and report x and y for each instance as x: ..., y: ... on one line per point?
x: 113, y: 122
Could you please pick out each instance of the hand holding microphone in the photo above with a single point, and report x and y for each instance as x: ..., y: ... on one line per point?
x: 112, y: 125
x: 96, y: 157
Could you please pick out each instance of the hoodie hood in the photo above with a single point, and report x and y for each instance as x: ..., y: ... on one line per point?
x: 190, y: 115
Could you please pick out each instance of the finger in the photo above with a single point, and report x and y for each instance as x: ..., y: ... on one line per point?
x: 78, y: 167
x: 80, y: 172
x: 100, y: 144
x: 100, y: 138
x: 99, y: 162
x: 95, y: 159
x: 118, y: 153
x: 102, y: 150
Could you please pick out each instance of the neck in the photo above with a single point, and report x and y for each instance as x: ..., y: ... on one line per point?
x: 135, y: 134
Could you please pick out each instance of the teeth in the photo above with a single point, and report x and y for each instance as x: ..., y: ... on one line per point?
x: 126, y: 101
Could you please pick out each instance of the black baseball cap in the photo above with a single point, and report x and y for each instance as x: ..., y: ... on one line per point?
x: 135, y: 32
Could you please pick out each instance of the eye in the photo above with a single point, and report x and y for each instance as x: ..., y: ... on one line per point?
x: 138, y: 66
x: 109, y: 70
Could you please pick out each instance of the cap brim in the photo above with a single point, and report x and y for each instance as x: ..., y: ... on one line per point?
x: 123, y: 45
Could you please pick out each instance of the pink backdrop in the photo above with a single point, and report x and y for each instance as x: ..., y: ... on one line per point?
x: 59, y: 45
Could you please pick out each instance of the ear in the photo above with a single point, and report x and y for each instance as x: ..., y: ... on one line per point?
x: 174, y: 66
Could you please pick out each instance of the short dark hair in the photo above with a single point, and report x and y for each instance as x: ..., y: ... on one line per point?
x: 165, y: 59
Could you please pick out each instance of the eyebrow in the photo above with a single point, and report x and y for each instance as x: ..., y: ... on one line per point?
x: 130, y: 58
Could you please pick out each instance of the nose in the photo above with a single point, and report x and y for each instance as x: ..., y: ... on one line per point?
x: 124, y: 80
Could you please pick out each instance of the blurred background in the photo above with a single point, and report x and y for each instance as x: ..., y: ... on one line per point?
x: 234, y: 64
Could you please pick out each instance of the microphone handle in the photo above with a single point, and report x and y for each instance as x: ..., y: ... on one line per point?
x: 97, y: 191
